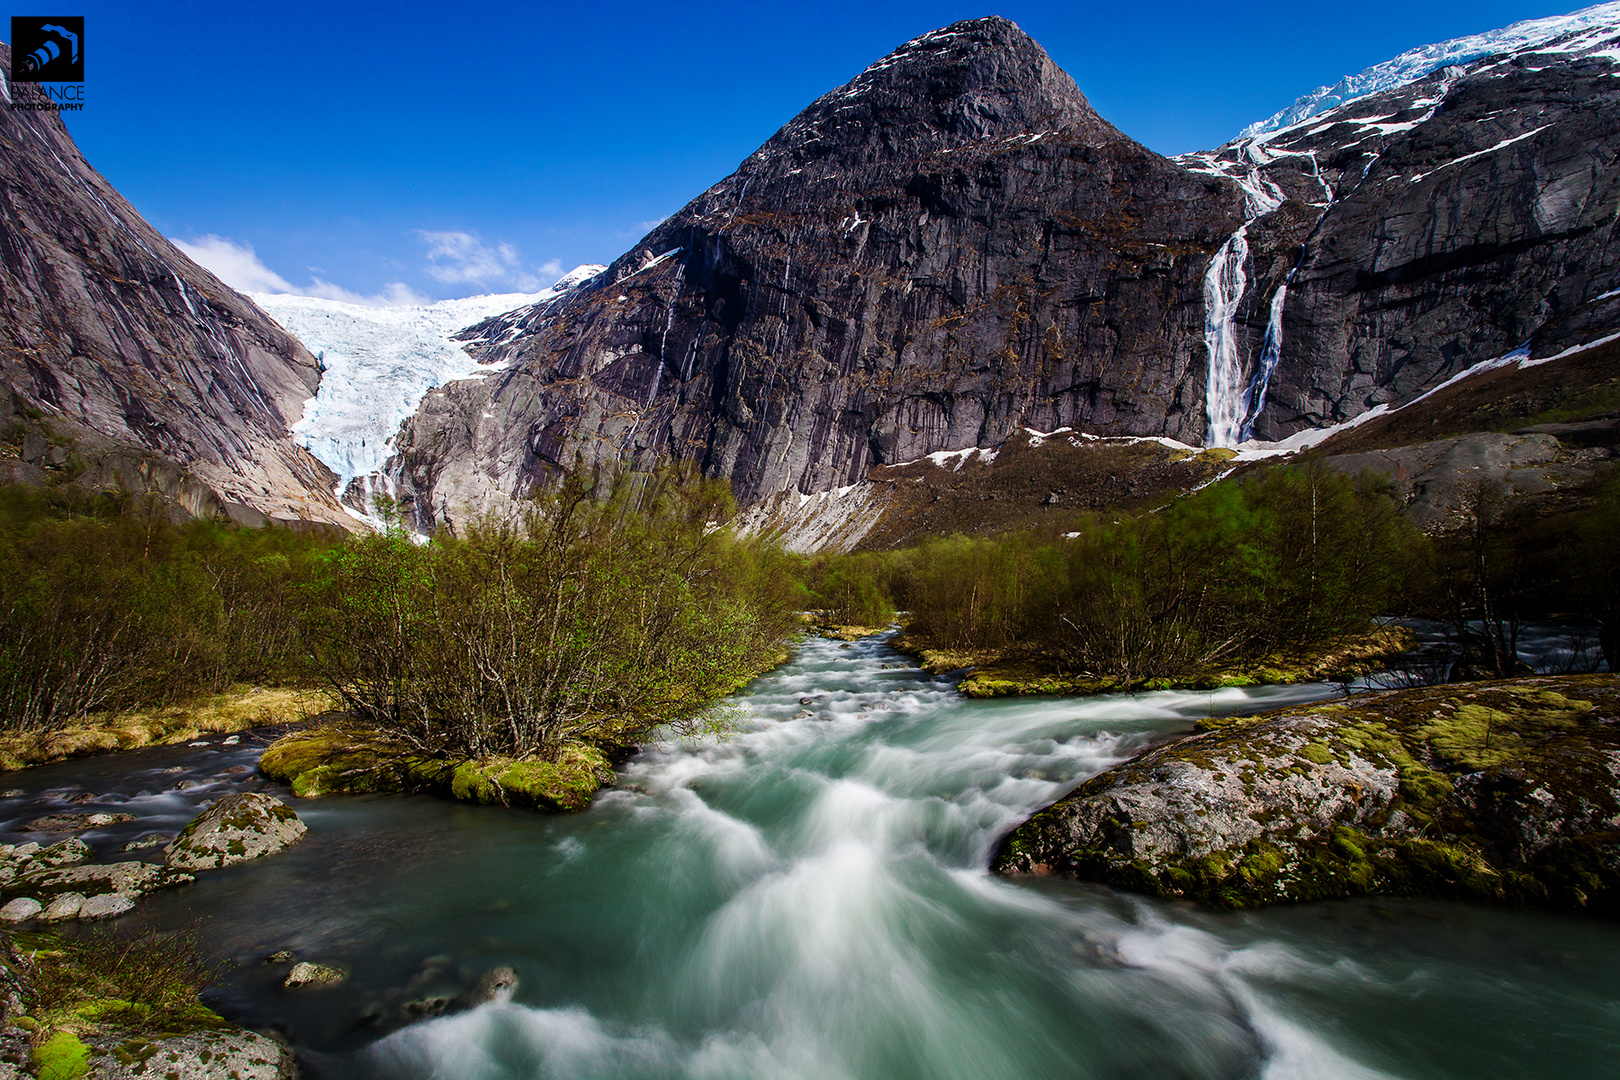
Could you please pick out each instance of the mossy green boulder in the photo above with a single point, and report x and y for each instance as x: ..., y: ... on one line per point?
x: 1503, y: 791
x: 349, y: 759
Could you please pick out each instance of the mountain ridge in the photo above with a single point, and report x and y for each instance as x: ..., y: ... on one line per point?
x: 913, y: 291
x: 126, y: 365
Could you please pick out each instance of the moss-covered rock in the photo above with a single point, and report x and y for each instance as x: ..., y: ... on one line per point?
x: 1017, y: 673
x: 1504, y: 791
x: 239, y: 827
x: 348, y: 759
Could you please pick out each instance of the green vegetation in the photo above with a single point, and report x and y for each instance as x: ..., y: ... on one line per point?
x: 110, y: 987
x: 587, y: 619
x: 502, y: 664
x: 1255, y: 581
x: 106, y: 606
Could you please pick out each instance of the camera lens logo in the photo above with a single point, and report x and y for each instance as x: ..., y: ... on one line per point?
x: 47, y: 48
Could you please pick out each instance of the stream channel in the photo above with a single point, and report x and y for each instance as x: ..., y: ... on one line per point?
x: 809, y: 899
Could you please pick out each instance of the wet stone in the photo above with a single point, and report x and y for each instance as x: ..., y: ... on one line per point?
x: 76, y: 822
x: 63, y: 906
x: 21, y: 909
x: 307, y: 974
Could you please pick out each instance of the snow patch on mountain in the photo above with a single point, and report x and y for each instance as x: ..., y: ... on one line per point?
x: 1589, y: 27
x: 380, y: 362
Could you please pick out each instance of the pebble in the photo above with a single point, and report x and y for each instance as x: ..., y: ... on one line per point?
x: 144, y: 842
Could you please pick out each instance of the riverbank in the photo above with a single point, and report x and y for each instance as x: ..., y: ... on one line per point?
x: 117, y: 1007
x: 229, y: 712
x: 340, y: 756
x: 1503, y: 791
x: 995, y: 673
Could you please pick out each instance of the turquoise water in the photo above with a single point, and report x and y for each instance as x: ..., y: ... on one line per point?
x: 809, y: 900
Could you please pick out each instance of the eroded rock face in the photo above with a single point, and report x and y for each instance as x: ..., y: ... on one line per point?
x: 124, y: 362
x: 954, y: 244
x: 237, y: 828
x: 950, y: 245
x: 1505, y: 791
x: 1429, y: 228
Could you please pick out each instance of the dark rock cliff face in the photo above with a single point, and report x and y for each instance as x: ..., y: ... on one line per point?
x: 122, y: 363
x: 950, y: 245
x: 954, y: 244
x: 1425, y: 229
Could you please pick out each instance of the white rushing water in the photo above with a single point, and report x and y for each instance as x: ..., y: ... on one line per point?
x: 1270, y: 353
x: 1225, y: 395
x: 823, y: 909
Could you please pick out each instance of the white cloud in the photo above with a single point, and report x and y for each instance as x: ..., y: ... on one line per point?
x: 234, y: 264
x: 461, y: 258
x: 238, y: 266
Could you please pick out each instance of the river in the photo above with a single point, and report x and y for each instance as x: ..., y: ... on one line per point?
x: 809, y: 899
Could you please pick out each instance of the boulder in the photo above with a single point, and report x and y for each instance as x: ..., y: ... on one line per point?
x: 202, y: 1055
x: 305, y: 973
x: 1505, y: 791
x: 21, y: 909
x: 237, y: 828
x: 64, y: 853
x: 130, y: 879
x: 497, y: 984
x: 106, y: 906
x: 76, y: 822
x: 63, y: 906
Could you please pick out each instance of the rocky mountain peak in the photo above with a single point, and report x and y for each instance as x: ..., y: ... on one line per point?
x: 976, y: 80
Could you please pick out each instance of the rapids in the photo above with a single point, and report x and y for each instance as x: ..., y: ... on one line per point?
x: 809, y: 899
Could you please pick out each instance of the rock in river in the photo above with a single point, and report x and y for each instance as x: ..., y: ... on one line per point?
x: 235, y: 829
x: 1506, y: 791
x: 305, y: 973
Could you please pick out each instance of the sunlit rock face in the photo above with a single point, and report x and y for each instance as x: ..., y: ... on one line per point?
x: 123, y: 363
x: 950, y: 245
x: 1408, y: 235
x: 954, y: 245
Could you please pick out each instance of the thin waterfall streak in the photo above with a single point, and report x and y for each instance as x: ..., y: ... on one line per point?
x: 1225, y: 397
x: 1269, y: 355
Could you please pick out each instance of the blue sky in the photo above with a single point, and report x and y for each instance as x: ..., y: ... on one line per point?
x: 401, y: 149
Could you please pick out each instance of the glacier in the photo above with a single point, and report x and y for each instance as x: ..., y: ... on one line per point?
x: 379, y: 362
x: 1415, y: 64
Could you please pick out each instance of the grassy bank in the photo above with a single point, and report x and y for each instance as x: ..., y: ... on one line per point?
x: 1017, y: 672
x: 232, y: 710
x: 499, y: 663
x: 108, y: 998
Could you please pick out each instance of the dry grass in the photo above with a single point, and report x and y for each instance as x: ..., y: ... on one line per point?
x: 234, y: 710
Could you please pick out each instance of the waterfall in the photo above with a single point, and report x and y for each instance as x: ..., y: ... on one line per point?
x: 1225, y: 396
x: 1269, y: 354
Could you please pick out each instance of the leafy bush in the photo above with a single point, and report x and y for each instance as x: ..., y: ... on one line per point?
x: 581, y: 617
